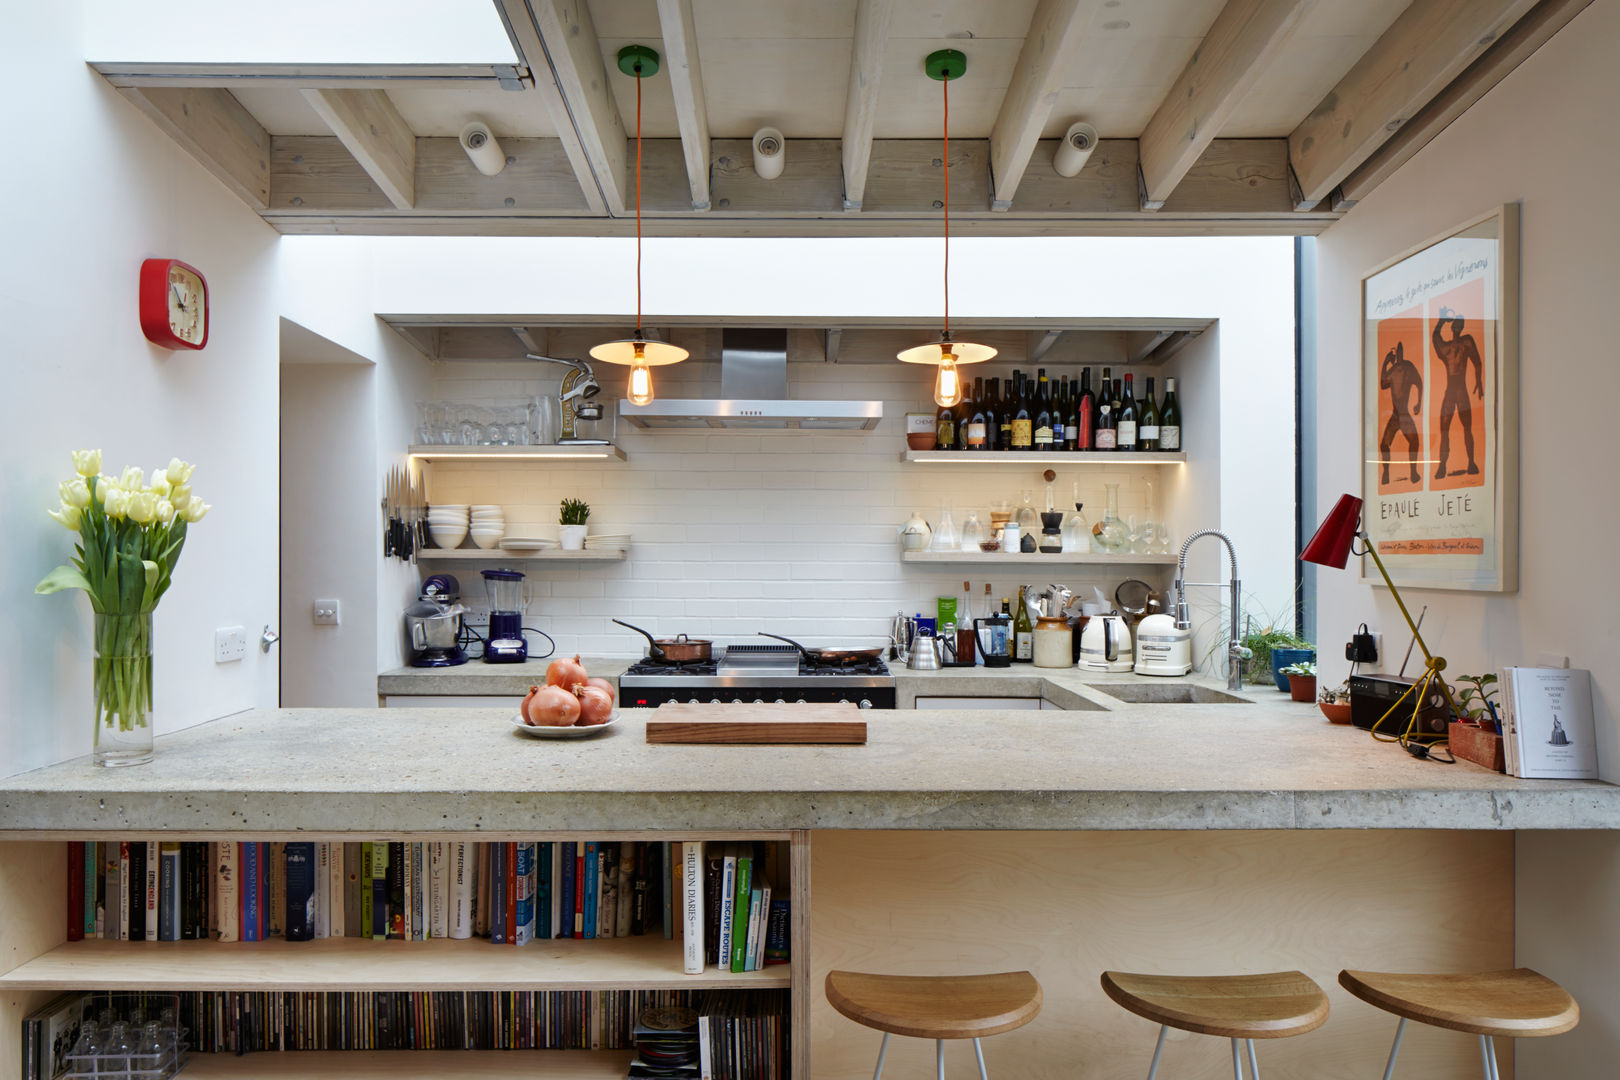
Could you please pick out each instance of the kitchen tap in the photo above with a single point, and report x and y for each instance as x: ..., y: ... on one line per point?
x: 1236, y: 651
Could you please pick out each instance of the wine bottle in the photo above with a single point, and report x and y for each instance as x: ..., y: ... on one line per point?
x: 1083, y: 417
x: 945, y: 429
x: 963, y: 411
x: 977, y: 425
x: 1009, y: 402
x: 1170, y: 418
x: 1043, y: 411
x: 1125, y: 437
x: 1147, y: 428
x: 1105, y: 390
x: 1106, y: 433
x: 1060, y: 405
x: 1023, y: 630
x: 992, y: 415
x: 1023, y: 421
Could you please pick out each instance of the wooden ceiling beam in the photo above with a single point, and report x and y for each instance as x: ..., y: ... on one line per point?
x: 371, y: 129
x: 1245, y: 37
x: 523, y: 29
x: 581, y: 78
x: 1506, y: 53
x: 1041, y: 343
x: 1037, y: 78
x: 861, y: 99
x: 213, y: 127
x: 1429, y: 44
x: 313, y: 76
x: 686, y: 87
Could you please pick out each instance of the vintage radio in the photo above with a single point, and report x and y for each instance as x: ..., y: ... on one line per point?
x: 1372, y: 695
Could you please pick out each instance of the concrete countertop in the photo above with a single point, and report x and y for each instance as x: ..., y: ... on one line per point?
x: 476, y: 678
x: 1261, y: 764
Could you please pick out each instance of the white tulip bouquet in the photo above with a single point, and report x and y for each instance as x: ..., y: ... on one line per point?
x: 130, y: 533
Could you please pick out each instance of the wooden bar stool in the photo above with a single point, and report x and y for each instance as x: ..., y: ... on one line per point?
x: 1514, y: 1004
x: 1242, y: 1008
x: 936, y: 1007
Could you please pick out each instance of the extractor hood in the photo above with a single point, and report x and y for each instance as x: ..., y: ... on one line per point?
x: 753, y: 396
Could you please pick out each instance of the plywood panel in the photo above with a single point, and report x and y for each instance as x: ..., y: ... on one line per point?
x: 1068, y: 905
x: 33, y: 881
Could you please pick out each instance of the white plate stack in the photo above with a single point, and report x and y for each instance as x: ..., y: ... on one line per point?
x: 607, y: 541
x: 488, y: 525
x: 447, y: 524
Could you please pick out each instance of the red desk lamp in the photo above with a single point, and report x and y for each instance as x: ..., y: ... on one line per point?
x: 1333, y: 545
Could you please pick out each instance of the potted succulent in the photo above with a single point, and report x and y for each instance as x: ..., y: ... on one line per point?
x: 1335, y: 703
x: 571, y: 531
x: 1272, y: 650
x: 1301, y: 680
x: 1476, y: 733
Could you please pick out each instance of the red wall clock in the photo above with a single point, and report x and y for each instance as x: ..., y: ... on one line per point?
x: 174, y: 304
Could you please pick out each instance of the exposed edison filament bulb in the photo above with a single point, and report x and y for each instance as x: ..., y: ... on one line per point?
x: 641, y: 388
x: 948, y: 386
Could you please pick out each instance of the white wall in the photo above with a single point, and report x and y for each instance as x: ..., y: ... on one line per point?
x: 97, y: 190
x: 1568, y: 514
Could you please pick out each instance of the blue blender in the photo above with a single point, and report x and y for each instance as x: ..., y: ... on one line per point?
x: 505, y: 644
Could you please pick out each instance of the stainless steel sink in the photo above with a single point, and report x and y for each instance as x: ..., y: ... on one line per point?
x: 1167, y: 694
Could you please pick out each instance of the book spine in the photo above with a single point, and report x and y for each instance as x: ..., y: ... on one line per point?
x: 169, y: 892
x: 114, y: 928
x: 188, y: 891
x: 394, y: 891
x: 567, y: 861
x: 497, y: 893
x: 741, y: 898
x: 778, y: 931
x: 250, y: 891
x: 367, y: 862
x: 627, y: 890
x: 152, y: 868
x: 301, y: 884
x: 693, y: 910
x: 438, y: 877
x: 379, y: 889
x: 592, y: 888
x: 640, y: 883
x: 670, y: 873
x: 336, y: 889
x: 579, y: 890
x: 511, y: 892
x: 758, y: 904
x: 714, y: 861
x: 523, y: 875
x: 227, y: 904
x: 544, y: 887
x: 461, y: 898
x: 75, y: 897
x: 125, y: 895
x: 273, y: 905
x: 481, y: 878
x: 407, y: 877
x: 419, y: 900
x: 352, y: 892
x: 323, y: 890
x: 728, y: 907
x: 607, y: 897
x: 92, y: 878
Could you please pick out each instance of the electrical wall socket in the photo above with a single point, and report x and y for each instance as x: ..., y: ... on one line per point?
x: 324, y: 613
x: 230, y: 644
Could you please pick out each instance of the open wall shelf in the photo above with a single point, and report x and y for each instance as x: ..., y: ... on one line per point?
x: 1030, y: 457
x: 499, y: 555
x: 556, y: 452
x: 1034, y: 559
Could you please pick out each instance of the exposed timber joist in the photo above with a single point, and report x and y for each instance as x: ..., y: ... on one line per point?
x: 313, y: 76
x: 581, y: 79
x: 1041, y: 344
x: 1246, y: 36
x: 1428, y: 45
x: 213, y: 127
x: 686, y: 87
x: 1053, y: 31
x: 1506, y: 53
x: 371, y: 129
x: 861, y: 100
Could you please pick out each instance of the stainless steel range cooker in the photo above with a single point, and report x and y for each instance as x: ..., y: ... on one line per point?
x: 761, y: 674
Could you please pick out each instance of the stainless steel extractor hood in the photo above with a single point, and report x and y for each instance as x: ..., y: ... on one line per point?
x: 753, y: 396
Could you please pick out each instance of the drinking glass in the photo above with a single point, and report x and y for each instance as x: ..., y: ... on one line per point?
x: 1164, y: 538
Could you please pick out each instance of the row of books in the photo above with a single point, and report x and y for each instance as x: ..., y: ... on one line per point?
x: 1547, y: 724
x: 735, y: 1034
x: 732, y: 915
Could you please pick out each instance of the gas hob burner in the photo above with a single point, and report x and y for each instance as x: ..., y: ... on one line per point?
x: 758, y: 673
x: 670, y: 668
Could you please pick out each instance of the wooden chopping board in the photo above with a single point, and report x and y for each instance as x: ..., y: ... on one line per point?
x: 837, y: 724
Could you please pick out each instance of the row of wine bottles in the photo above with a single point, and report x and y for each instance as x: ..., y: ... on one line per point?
x: 1043, y: 415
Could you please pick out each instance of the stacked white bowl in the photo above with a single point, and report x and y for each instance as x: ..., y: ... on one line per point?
x: 447, y: 523
x: 488, y: 525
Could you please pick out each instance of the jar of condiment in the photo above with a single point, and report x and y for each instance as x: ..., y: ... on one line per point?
x: 1054, y: 642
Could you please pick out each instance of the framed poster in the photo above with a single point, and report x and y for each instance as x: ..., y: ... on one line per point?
x: 1440, y: 380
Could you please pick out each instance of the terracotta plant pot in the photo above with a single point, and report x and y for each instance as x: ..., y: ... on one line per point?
x: 1337, y: 712
x: 1302, y: 687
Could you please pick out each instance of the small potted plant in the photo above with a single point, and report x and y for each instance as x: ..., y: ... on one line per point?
x: 1335, y: 703
x: 1301, y: 680
x: 1271, y: 649
x: 571, y: 531
x: 1476, y: 733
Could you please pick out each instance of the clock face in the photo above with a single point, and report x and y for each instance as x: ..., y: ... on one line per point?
x: 188, y: 306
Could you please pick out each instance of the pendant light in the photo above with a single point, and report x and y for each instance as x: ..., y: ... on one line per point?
x: 945, y: 65
x: 639, y: 353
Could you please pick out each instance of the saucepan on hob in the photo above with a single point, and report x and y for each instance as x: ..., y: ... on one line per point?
x: 835, y: 657
x: 679, y: 649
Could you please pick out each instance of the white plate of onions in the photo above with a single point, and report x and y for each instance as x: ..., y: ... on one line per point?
x: 571, y: 704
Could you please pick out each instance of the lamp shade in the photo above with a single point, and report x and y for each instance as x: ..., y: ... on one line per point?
x: 1331, y: 544
x: 963, y: 352
x: 638, y: 352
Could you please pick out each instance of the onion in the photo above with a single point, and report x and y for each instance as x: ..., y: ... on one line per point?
x: 523, y: 709
x: 565, y: 673
x: 553, y: 707
x: 603, y: 684
x: 595, y: 706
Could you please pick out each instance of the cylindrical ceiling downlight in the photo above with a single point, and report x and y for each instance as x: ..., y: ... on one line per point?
x: 770, y: 153
x: 481, y: 147
x: 1076, y: 146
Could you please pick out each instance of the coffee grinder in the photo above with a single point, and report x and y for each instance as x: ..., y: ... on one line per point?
x: 505, y: 644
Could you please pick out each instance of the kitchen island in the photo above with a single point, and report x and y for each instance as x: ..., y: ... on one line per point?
x: 1199, y: 836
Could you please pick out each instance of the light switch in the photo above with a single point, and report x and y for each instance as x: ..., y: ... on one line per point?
x: 324, y: 613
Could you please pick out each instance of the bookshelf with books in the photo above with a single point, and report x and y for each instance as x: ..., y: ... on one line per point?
x: 449, y: 915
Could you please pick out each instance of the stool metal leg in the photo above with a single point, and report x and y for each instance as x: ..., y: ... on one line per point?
x: 939, y: 1056
x: 1254, y: 1066
x: 1158, y: 1051
x: 978, y: 1049
x: 1487, y: 1056
x: 882, y: 1050
x: 1237, y: 1059
x: 1400, y: 1029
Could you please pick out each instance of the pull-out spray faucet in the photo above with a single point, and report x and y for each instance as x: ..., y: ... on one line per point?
x: 1236, y: 651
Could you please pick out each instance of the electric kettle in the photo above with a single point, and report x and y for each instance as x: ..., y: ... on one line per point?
x: 1105, y: 644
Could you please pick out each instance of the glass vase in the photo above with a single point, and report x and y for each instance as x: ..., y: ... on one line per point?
x: 1109, y: 535
x: 122, y: 688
